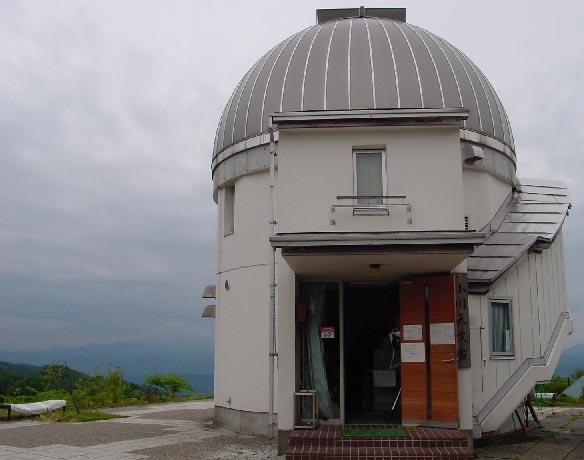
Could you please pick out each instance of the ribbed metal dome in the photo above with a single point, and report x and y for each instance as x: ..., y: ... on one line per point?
x: 361, y: 63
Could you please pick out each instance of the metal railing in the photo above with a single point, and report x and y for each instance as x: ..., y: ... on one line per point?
x: 370, y: 205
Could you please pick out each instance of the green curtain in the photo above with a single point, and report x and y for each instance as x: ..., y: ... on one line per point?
x: 313, y: 360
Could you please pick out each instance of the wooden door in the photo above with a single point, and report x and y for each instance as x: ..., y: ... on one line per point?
x: 429, y: 358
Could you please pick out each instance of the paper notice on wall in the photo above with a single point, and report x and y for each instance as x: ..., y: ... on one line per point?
x: 442, y: 334
x: 413, y: 352
x: 412, y: 332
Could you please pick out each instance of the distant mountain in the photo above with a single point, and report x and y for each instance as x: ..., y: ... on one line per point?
x: 24, y: 369
x: 134, y: 358
x: 570, y: 360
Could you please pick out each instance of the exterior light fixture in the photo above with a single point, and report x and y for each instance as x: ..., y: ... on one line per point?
x: 374, y: 270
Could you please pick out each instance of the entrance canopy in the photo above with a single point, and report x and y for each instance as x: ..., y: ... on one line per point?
x: 350, y: 256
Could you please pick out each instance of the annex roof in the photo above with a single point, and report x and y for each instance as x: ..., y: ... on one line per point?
x: 534, y: 215
x: 575, y: 390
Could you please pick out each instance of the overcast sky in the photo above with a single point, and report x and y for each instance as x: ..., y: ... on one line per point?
x: 108, y: 112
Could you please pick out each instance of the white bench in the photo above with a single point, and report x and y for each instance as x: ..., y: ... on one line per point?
x: 35, y: 408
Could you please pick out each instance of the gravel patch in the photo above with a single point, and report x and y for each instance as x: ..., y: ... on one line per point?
x: 192, y: 415
x: 218, y: 448
x: 78, y: 434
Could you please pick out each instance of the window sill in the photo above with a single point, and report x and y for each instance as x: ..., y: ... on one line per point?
x: 502, y: 357
x: 228, y: 234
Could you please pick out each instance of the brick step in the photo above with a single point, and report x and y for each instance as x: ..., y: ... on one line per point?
x: 417, y: 437
x: 378, y: 453
x: 378, y: 442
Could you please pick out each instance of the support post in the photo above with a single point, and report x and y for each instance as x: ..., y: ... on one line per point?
x: 272, y: 285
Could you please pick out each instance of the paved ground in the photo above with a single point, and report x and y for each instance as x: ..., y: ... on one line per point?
x: 166, y: 431
x: 562, y: 438
x: 184, y: 431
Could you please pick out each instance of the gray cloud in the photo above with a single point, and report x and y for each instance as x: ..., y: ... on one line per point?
x: 107, y: 117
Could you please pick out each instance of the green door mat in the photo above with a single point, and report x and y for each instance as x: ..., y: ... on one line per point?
x: 370, y: 432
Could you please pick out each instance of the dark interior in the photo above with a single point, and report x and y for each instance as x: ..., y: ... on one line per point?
x: 371, y: 356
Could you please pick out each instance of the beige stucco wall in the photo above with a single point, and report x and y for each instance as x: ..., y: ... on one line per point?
x: 483, y: 196
x: 314, y: 167
x: 241, y: 362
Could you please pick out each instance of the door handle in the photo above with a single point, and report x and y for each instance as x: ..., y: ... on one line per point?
x: 451, y: 360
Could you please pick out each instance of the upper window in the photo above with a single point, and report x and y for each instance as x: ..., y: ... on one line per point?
x: 501, y: 327
x: 369, y: 176
x: 228, y: 210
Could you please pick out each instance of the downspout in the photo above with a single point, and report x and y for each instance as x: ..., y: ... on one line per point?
x: 272, y: 354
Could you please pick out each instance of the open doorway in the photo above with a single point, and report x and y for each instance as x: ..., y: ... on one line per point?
x: 372, y: 354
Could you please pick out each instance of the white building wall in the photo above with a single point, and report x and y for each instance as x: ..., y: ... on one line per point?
x: 316, y: 166
x: 241, y: 346
x: 286, y: 344
x: 536, y: 287
x: 483, y: 196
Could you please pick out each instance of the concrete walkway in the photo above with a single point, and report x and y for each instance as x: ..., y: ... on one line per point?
x: 185, y: 431
x: 164, y: 431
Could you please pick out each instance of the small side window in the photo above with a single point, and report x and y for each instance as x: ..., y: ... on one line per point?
x: 369, y: 176
x: 228, y: 211
x: 501, y: 327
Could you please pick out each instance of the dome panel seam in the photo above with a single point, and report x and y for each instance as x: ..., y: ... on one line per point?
x: 306, y: 66
x: 254, y: 85
x: 449, y: 65
x: 371, y: 63
x: 433, y: 62
x: 415, y: 62
x: 243, y: 91
x: 288, y: 66
x: 472, y: 66
x: 393, y: 62
x: 328, y: 52
x: 270, y: 75
x: 349, y: 63
x: 454, y: 50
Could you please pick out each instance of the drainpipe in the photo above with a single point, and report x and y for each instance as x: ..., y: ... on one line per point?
x: 272, y: 354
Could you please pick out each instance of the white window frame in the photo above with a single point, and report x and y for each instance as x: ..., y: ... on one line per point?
x: 231, y: 230
x: 502, y: 354
x: 383, y: 169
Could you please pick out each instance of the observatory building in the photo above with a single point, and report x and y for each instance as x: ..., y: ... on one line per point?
x: 378, y: 260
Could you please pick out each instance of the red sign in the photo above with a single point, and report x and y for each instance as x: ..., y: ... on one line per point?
x: 327, y: 332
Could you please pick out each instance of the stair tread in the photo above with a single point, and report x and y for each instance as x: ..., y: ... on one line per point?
x: 411, y: 434
x: 404, y: 449
x: 444, y: 453
x: 327, y: 442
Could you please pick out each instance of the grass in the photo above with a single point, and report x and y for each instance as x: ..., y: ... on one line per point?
x: 149, y: 401
x: 564, y: 401
x: 73, y: 417
x: 89, y: 415
x: 192, y: 398
x: 367, y: 432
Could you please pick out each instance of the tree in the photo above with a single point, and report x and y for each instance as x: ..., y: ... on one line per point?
x: 577, y: 374
x: 172, y: 383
